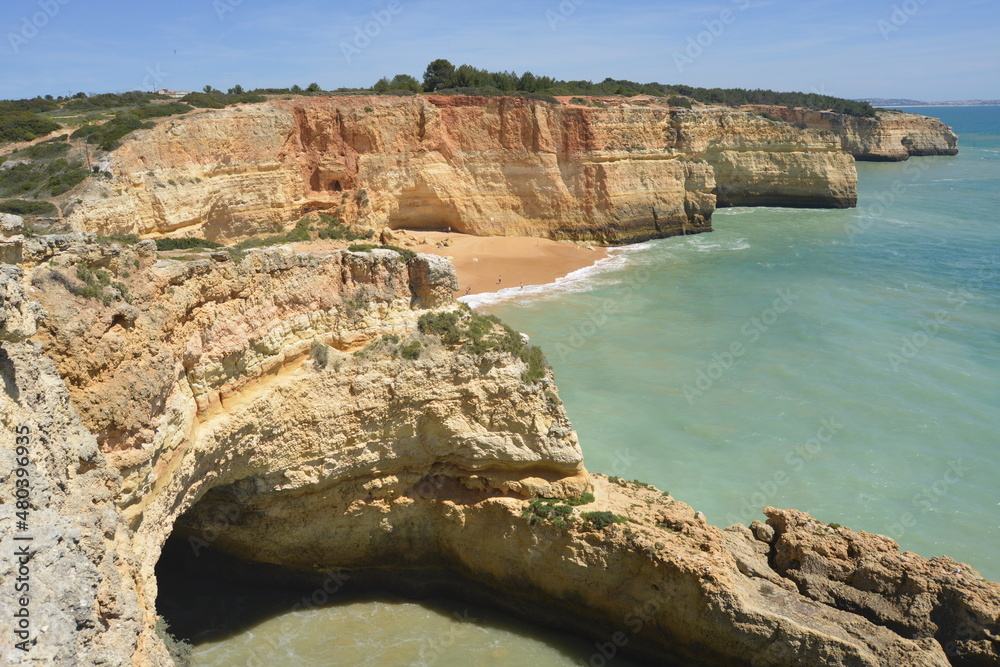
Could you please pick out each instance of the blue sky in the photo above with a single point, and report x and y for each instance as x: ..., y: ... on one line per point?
x: 923, y: 49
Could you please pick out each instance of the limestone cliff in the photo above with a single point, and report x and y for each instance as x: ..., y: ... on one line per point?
x: 487, y: 166
x: 891, y: 136
x: 312, y: 414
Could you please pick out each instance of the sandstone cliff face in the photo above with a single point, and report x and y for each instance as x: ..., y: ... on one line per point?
x: 259, y: 409
x: 487, y: 166
x: 891, y: 136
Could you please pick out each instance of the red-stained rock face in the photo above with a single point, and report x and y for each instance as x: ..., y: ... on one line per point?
x: 483, y: 165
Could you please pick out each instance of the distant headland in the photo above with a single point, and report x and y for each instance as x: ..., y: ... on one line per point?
x: 904, y: 102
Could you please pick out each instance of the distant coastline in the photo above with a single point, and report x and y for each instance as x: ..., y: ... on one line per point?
x: 938, y: 106
x: 884, y: 102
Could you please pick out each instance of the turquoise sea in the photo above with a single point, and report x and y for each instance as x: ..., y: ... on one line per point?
x: 841, y: 362
x: 845, y: 363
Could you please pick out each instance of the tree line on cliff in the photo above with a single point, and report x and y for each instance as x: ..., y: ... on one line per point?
x: 24, y: 120
x: 442, y: 77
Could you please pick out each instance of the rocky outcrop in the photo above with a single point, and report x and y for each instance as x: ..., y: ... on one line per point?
x: 10, y: 224
x: 867, y: 575
x: 308, y: 415
x: 891, y: 136
x: 487, y: 166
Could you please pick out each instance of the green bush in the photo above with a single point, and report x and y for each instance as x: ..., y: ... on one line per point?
x: 40, y: 179
x: 63, y: 176
x: 111, y: 100
x: 541, y: 510
x: 480, y: 334
x: 219, y: 100
x: 444, y: 325
x: 600, y: 520
x: 679, y: 102
x: 108, y: 135
x: 123, y: 239
x: 186, y: 243
x: 411, y: 350
x: 300, y: 234
x: 17, y: 125
x: 46, y: 150
x: 27, y: 208
x: 537, y: 364
x: 405, y: 255
x: 336, y: 230
x: 584, y: 499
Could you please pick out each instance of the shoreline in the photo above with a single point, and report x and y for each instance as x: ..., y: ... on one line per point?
x: 488, y: 264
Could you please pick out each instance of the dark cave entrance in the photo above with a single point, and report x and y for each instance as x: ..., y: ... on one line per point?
x: 207, y: 596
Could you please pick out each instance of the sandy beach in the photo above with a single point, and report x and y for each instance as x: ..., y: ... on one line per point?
x: 490, y: 263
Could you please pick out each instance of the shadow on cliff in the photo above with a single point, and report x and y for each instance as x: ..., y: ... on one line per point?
x: 209, y: 596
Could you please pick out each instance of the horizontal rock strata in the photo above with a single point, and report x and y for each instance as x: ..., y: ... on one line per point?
x: 486, y: 166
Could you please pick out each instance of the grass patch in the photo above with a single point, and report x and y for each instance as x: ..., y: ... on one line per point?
x: 405, y: 255
x: 479, y: 334
x: 35, y: 180
x: 186, y: 243
x: 300, y: 234
x: 96, y: 285
x: 109, y: 135
x: 46, y: 150
x: 332, y: 228
x: 118, y: 237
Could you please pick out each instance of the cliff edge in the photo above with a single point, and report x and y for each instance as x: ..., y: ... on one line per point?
x: 481, y: 165
x: 307, y: 415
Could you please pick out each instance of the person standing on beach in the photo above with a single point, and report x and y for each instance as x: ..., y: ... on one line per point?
x: 499, y: 278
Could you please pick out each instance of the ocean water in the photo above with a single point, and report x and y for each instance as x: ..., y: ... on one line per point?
x: 841, y: 362
x: 845, y: 363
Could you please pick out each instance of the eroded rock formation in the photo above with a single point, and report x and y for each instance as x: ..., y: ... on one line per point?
x: 891, y: 136
x: 487, y: 166
x: 276, y: 387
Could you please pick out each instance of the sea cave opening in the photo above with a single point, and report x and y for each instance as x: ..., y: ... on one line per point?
x: 228, y: 611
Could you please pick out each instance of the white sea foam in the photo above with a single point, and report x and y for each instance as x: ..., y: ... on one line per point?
x: 581, y: 280
x: 700, y: 244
